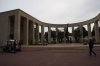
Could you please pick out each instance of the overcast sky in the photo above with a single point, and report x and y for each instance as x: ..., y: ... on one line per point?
x: 55, y: 11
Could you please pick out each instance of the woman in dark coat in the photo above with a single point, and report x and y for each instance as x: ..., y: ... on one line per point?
x: 91, y: 45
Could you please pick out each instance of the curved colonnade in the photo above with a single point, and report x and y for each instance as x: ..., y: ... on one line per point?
x: 26, y: 27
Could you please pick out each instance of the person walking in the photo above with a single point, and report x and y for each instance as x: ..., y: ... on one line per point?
x: 91, y: 46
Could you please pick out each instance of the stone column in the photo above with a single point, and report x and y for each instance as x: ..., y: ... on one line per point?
x: 33, y: 34
x: 30, y: 32
x: 17, y: 27
x: 56, y: 35
x: 49, y: 35
x: 26, y: 24
x: 73, y: 33
x: 81, y: 32
x: 65, y: 34
x: 89, y: 30
x: 42, y: 34
x: 37, y: 34
x: 97, y: 34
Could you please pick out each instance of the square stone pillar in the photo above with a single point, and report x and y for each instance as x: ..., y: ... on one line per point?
x: 81, y: 32
x: 30, y: 32
x: 26, y: 24
x: 73, y: 34
x: 65, y: 34
x: 37, y: 34
x: 42, y: 34
x: 89, y: 30
x: 49, y: 35
x: 97, y: 34
x: 17, y: 28
x: 56, y: 35
x: 33, y: 34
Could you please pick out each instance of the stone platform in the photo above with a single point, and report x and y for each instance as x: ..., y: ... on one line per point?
x: 64, y: 46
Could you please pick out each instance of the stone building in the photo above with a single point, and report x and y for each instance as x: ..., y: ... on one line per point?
x: 23, y: 27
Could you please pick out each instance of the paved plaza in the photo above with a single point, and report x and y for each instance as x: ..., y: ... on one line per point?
x: 52, y: 55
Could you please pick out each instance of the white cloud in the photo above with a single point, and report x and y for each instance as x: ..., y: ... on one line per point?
x: 55, y: 11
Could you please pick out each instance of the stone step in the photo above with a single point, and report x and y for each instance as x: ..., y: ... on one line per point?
x: 40, y: 48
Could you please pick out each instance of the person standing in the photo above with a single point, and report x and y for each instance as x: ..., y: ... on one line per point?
x: 91, y: 46
x: 14, y: 46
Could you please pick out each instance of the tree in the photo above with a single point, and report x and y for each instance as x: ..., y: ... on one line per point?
x: 53, y: 35
x: 60, y: 36
x: 67, y: 34
x: 46, y: 36
x: 77, y: 34
x: 85, y: 33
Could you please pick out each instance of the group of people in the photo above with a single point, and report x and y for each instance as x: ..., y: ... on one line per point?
x: 12, y: 46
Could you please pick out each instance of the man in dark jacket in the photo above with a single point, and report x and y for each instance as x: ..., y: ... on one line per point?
x: 91, y: 45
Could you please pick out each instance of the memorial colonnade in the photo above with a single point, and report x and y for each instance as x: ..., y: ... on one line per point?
x: 25, y: 28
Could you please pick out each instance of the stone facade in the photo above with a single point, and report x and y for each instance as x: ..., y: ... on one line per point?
x: 25, y: 28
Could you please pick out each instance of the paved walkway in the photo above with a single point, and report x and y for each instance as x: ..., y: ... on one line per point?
x: 34, y: 56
